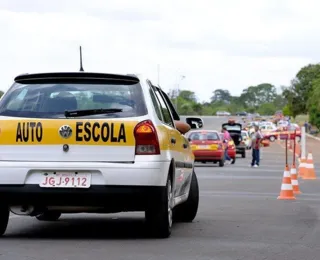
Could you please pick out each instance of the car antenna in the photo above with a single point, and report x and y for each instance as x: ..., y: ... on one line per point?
x: 81, y: 68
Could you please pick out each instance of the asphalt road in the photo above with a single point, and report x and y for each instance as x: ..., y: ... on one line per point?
x: 239, y: 218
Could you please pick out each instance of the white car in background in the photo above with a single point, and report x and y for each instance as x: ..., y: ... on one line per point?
x: 246, y: 138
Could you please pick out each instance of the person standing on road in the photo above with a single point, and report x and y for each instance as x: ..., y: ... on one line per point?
x: 256, y: 143
x: 226, y: 139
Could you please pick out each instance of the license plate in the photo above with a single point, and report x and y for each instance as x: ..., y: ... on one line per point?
x: 65, y: 180
x: 203, y: 146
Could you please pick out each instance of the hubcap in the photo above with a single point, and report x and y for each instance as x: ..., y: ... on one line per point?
x: 170, y: 204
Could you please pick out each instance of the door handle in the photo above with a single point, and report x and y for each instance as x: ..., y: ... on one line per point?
x: 173, y: 140
x: 185, y: 146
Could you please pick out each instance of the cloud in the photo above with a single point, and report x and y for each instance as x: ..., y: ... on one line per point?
x: 216, y: 44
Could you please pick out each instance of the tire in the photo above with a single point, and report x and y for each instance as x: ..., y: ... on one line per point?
x: 159, y: 215
x: 221, y: 163
x: 187, y: 211
x: 233, y: 160
x: 49, y: 216
x: 4, y: 219
x: 272, y: 138
x: 243, y: 154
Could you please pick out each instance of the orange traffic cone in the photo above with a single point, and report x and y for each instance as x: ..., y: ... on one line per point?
x: 302, y: 170
x: 294, y: 180
x: 310, y: 172
x: 286, y: 192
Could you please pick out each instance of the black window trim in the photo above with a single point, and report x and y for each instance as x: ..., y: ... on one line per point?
x: 155, y: 88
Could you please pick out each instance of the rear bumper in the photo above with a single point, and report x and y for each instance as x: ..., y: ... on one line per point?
x: 241, y: 148
x: 232, y: 153
x: 202, y: 155
x: 114, y: 198
x: 145, y: 173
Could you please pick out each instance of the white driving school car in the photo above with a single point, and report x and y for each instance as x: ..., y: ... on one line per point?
x: 96, y: 143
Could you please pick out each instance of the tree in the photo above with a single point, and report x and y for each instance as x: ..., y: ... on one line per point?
x: 221, y: 95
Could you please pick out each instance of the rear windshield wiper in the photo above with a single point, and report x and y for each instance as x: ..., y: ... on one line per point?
x: 88, y: 112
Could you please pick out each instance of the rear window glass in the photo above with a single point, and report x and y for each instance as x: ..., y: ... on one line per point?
x: 52, y: 100
x: 207, y: 136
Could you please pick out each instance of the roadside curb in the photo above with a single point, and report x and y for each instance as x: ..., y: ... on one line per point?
x: 311, y: 136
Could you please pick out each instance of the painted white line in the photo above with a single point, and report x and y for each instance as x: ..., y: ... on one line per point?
x: 239, y: 177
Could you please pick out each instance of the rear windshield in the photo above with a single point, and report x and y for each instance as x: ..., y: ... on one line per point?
x: 208, y: 136
x: 51, y: 100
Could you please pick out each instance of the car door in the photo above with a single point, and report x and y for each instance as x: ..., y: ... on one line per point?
x: 184, y: 163
x: 175, y: 143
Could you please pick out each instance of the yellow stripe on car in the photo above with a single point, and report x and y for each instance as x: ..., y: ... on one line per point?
x: 81, y: 132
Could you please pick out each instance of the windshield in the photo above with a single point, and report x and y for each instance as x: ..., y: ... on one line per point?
x: 207, y: 136
x: 52, y: 100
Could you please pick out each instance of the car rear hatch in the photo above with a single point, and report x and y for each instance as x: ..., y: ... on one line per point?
x: 204, y: 140
x: 234, y: 130
x: 34, y: 125
x: 67, y: 140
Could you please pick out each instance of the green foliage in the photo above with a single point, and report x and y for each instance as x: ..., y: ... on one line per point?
x: 262, y: 98
x: 303, y: 95
x: 286, y: 111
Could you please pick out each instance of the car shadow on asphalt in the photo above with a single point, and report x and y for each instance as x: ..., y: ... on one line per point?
x: 82, y: 228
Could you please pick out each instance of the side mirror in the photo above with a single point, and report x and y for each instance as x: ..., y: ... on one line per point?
x: 194, y: 122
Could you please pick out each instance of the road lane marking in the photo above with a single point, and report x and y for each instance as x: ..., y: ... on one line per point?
x: 240, y: 177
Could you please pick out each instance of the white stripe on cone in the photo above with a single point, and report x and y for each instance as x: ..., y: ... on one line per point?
x: 285, y: 186
x: 286, y: 174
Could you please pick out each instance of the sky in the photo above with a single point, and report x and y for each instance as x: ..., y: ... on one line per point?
x: 214, y: 44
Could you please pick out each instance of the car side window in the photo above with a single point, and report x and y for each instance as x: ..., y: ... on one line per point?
x: 156, y: 104
x: 167, y: 119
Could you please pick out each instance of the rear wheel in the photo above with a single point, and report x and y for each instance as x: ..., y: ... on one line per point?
x: 4, y: 219
x: 221, y: 163
x: 187, y: 211
x: 49, y: 216
x: 159, y: 213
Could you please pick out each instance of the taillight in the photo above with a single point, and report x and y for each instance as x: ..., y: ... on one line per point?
x: 146, y: 137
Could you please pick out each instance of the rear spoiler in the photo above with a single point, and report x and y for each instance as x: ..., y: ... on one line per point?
x: 77, y: 77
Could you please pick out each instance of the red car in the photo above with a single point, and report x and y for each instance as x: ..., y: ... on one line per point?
x: 284, y: 133
x: 207, y: 146
x: 231, y: 149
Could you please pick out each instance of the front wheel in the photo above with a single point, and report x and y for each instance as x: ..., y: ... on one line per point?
x: 4, y: 219
x: 159, y: 213
x: 49, y: 216
x: 187, y: 211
